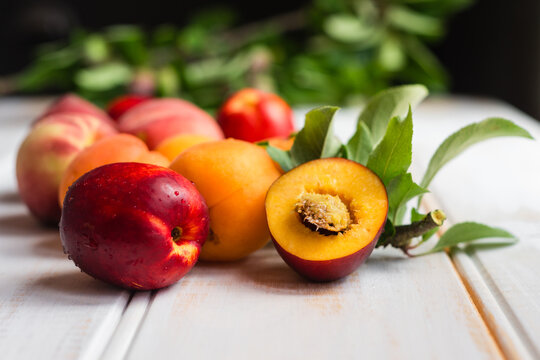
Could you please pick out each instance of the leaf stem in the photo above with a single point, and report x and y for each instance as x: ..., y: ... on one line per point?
x: 405, y: 233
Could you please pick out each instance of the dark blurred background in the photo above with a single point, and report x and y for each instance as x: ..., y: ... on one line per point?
x: 492, y: 47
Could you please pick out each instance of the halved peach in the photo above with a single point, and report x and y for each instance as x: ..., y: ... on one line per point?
x: 325, y: 217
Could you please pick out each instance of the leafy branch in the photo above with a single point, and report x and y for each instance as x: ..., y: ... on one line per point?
x: 383, y: 143
x: 325, y: 52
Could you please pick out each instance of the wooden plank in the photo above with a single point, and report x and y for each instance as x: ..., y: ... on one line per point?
x: 495, y: 183
x: 258, y: 308
x: 122, y: 338
x: 48, y: 308
x: 392, y: 307
x: 22, y: 109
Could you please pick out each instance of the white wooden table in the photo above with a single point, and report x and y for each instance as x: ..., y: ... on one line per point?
x: 483, y: 305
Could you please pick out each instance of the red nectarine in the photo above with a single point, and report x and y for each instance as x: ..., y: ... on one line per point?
x: 134, y: 225
x: 253, y: 115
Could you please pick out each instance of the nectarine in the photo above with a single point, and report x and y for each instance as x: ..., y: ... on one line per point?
x: 325, y: 217
x: 134, y: 225
x: 254, y: 115
x: 118, y: 106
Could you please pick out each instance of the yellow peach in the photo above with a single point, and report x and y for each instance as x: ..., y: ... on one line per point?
x: 233, y: 176
x: 173, y: 146
x: 116, y: 148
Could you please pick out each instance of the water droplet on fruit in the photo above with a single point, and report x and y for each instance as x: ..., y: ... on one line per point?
x: 176, y: 193
x: 92, y: 244
x: 69, y: 257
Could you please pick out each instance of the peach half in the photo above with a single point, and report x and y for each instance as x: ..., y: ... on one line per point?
x: 325, y: 217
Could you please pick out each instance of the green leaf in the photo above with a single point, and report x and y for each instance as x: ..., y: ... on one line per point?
x: 391, y: 56
x: 468, y: 232
x: 103, y: 77
x: 388, y: 232
x: 168, y: 81
x: 387, y: 104
x: 130, y: 42
x: 416, y: 215
x: 414, y: 22
x: 95, y: 48
x: 316, y: 140
x: 360, y: 145
x: 282, y: 157
x: 485, y: 245
x: 429, y: 70
x: 400, y: 190
x: 347, y: 28
x: 462, y: 139
x: 392, y: 156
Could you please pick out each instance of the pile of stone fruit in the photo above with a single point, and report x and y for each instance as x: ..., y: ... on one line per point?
x: 144, y: 191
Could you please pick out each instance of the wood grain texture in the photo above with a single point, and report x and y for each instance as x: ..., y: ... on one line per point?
x: 496, y: 183
x: 258, y: 308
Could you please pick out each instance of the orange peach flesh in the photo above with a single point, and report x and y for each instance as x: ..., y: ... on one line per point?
x: 356, y: 186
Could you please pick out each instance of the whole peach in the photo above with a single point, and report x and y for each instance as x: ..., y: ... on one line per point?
x: 158, y: 119
x: 46, y: 153
x: 113, y: 149
x: 71, y: 103
x: 233, y: 176
x: 173, y: 146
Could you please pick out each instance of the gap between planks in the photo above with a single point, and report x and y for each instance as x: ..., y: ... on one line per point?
x: 134, y: 314
x: 497, y: 315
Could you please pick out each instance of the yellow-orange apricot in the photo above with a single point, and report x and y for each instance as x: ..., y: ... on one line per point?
x: 173, y: 146
x: 233, y: 176
x: 113, y: 149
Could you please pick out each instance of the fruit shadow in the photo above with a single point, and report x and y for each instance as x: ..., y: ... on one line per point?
x: 267, y: 271
x: 73, y: 288
x: 9, y: 198
x: 22, y: 224
x: 270, y: 273
x: 49, y: 246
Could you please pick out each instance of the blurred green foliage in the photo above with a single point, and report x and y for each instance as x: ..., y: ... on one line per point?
x: 333, y: 51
